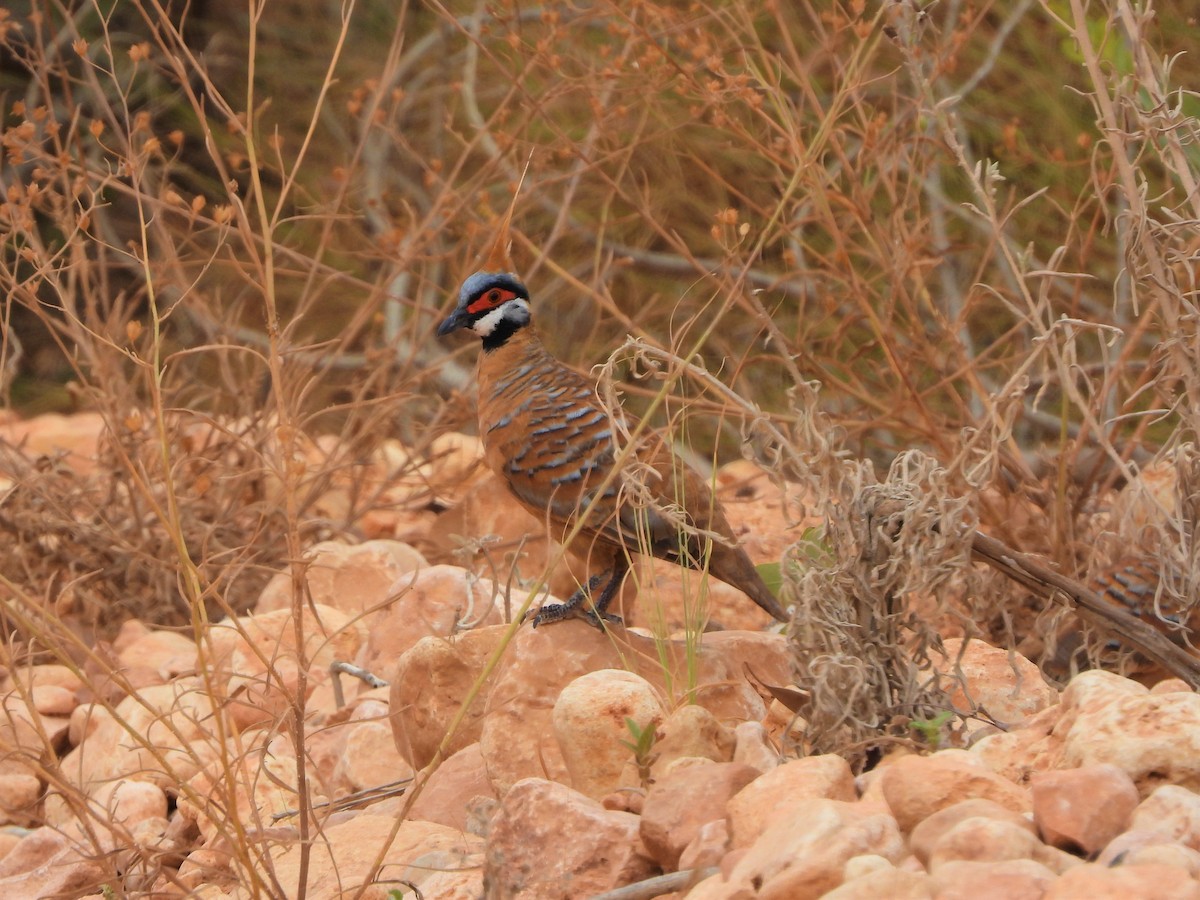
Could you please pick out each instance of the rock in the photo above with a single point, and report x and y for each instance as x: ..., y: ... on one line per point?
x: 1138, y: 846
x: 1081, y: 810
x: 436, y: 601
x: 166, y: 653
x: 1005, y: 686
x: 803, y: 855
x: 259, y: 656
x: 915, y: 787
x: 1144, y: 882
x: 76, y: 437
x: 707, y: 848
x: 428, y: 685
x: 1010, y: 879
x: 929, y: 831
x: 777, y: 794
x: 753, y: 747
x: 691, y: 732
x: 890, y: 882
x: 344, y: 856
x: 1155, y: 738
x: 1017, y: 754
x: 165, y: 738
x: 369, y: 757
x: 47, y: 863
x: 994, y: 840
x: 450, y: 790
x: 256, y: 787
x: 19, y: 796
x: 679, y: 804
x: 355, y: 578
x: 591, y: 718
x: 1171, y: 811
x: 550, y: 841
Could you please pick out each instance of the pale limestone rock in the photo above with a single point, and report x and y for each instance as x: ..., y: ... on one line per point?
x: 430, y: 682
x: 803, y: 856
x: 435, y: 601
x: 1007, y: 686
x: 915, y: 787
x: 19, y: 796
x: 994, y: 840
x: 1155, y: 738
x: 343, y: 854
x: 929, y: 830
x: 1145, y: 882
x: 369, y: 757
x: 1171, y: 811
x: 1081, y: 810
x: 452, y: 787
x: 589, y: 719
x: 679, y: 804
x: 455, y: 463
x: 550, y: 841
x: 27, y: 735
x: 357, y: 579
x: 753, y: 747
x: 1009, y: 879
x: 707, y: 848
x: 777, y: 794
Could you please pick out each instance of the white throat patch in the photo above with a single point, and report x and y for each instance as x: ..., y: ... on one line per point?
x: 516, y: 309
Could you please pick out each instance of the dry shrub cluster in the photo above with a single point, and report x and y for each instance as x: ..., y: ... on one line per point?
x: 868, y: 229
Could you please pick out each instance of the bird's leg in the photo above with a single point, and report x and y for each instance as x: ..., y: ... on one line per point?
x: 598, y: 614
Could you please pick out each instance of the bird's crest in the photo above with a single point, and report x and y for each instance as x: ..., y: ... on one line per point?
x: 499, y: 258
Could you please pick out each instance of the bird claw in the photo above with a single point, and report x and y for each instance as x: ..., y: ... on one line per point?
x: 558, y: 612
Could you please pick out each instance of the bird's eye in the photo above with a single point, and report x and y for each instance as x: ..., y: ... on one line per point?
x: 494, y: 295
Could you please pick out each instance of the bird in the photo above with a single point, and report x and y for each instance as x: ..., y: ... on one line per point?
x: 548, y: 437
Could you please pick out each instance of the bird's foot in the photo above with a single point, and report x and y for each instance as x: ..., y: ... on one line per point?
x: 558, y: 612
x: 576, y: 607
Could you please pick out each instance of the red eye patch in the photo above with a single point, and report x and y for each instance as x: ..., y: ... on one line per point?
x: 490, y: 300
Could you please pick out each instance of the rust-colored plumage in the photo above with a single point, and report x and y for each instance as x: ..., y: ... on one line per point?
x: 546, y: 434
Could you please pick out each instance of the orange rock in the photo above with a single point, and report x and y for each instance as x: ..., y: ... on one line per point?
x: 1081, y: 810
x: 369, y: 757
x: 803, y: 856
x: 429, y: 684
x: 550, y: 841
x: 983, y: 839
x: 915, y: 787
x: 1010, y: 879
x: 590, y: 719
x: 1155, y: 738
x: 776, y: 795
x: 343, y: 856
x: 452, y: 788
x: 354, y: 578
x: 1171, y: 811
x: 1145, y: 882
x: 680, y: 803
x: 47, y: 863
x: 1006, y: 686
x: 930, y: 830
x: 438, y: 601
x: 77, y: 436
